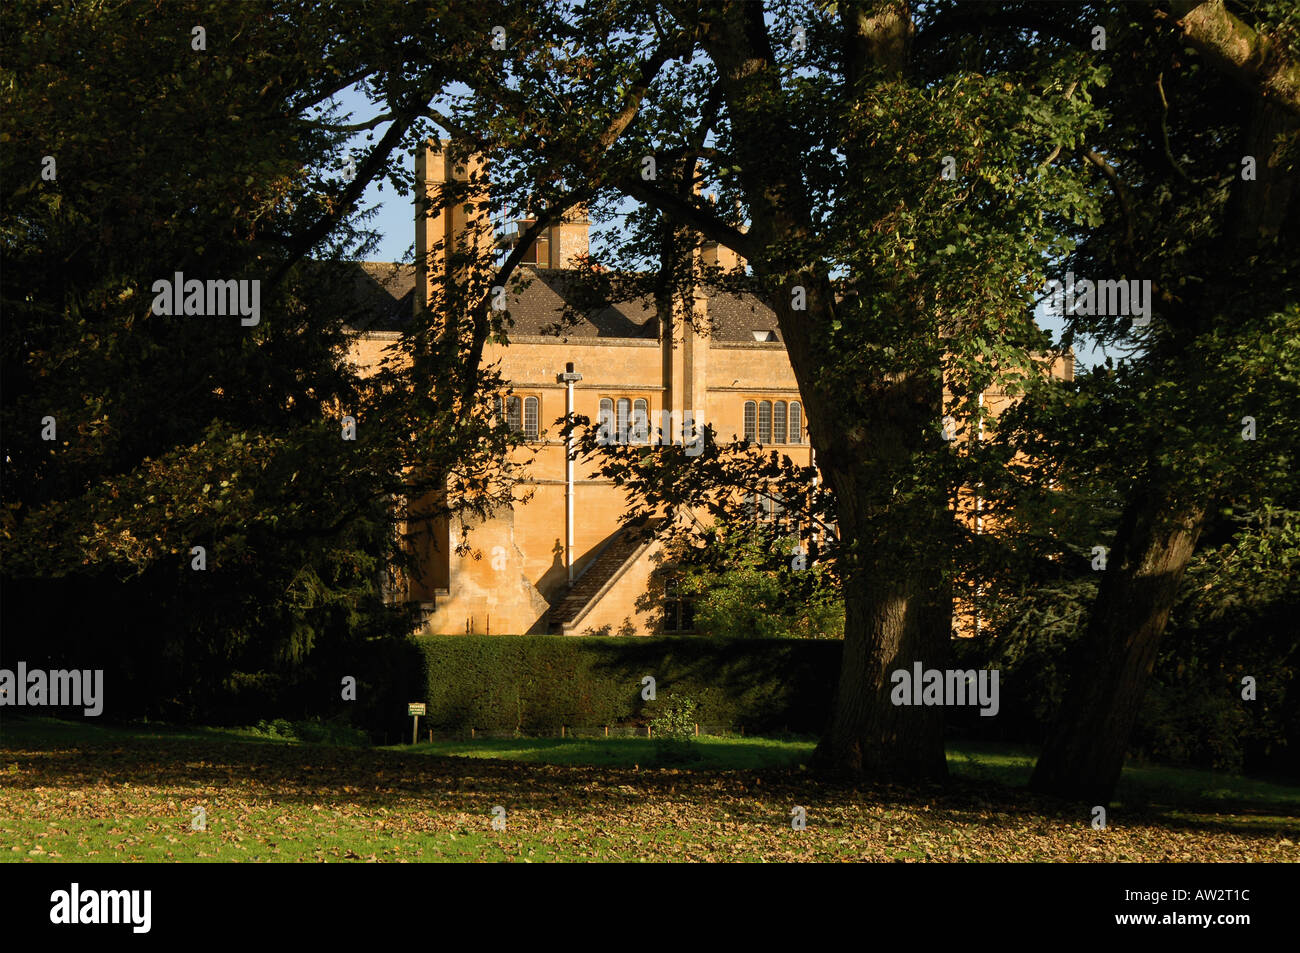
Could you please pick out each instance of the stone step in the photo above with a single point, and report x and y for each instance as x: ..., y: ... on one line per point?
x: 605, y: 567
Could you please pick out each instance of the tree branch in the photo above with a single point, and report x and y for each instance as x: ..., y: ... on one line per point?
x: 1254, y: 60
x: 353, y: 127
x: 1121, y: 193
x: 479, y: 331
x: 689, y: 214
x: 1164, y: 130
x: 1057, y: 151
x: 454, y: 128
x: 636, y: 94
x: 371, y: 167
x: 631, y: 107
x: 342, y: 83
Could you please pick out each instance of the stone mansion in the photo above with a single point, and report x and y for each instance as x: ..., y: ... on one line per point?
x: 728, y: 367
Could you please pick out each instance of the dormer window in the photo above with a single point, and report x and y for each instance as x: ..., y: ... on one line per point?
x: 539, y: 252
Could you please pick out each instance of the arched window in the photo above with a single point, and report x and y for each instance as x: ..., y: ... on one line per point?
x: 796, y: 422
x: 778, y: 422
x: 764, y: 421
x: 640, y: 433
x: 624, y: 411
x: 530, y: 417
x: 751, y: 420
x: 606, y: 421
x: 514, y: 413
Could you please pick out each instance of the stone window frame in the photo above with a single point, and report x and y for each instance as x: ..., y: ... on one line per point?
x: 513, y: 410
x: 760, y: 414
x: 679, y: 610
x: 621, y: 427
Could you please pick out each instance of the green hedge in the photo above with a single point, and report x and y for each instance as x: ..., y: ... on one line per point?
x: 540, y: 682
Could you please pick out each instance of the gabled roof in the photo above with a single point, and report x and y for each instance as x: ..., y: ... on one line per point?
x: 375, y: 295
x: 379, y: 296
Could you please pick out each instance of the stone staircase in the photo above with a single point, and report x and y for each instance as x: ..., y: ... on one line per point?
x: 600, y: 572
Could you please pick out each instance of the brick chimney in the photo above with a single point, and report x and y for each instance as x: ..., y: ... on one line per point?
x: 561, y: 245
x: 569, y: 240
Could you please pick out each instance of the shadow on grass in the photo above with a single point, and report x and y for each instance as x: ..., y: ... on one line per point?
x: 707, y: 752
x: 541, y: 773
x: 1142, y: 787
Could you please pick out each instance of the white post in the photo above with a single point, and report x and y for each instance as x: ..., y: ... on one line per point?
x: 569, y: 378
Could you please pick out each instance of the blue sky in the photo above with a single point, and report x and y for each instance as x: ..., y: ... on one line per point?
x: 395, y: 218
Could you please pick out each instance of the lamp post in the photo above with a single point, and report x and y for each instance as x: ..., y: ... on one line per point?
x: 568, y: 378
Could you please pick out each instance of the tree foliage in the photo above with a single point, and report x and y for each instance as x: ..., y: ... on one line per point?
x: 208, y: 156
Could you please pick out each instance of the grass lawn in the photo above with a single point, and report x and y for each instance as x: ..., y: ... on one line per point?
x: 714, y: 753
x: 79, y: 791
x: 1004, y: 764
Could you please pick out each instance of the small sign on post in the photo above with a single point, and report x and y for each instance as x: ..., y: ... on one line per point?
x: 415, y: 710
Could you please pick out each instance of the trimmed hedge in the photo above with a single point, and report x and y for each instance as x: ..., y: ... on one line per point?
x: 540, y: 682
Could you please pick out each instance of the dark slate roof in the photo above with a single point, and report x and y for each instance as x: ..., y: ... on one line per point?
x: 736, y: 317
x: 378, y: 296
x: 539, y: 306
x: 370, y: 295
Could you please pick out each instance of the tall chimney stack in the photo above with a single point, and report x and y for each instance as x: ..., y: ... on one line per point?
x: 453, y: 227
x: 569, y: 241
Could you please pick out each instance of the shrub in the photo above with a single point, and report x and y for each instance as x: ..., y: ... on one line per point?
x: 677, y: 719
x: 541, y: 682
x: 314, y: 731
x: 741, y: 579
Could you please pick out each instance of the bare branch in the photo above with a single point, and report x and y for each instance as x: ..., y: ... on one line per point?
x: 1164, y: 130
x: 353, y: 127
x: 1120, y: 192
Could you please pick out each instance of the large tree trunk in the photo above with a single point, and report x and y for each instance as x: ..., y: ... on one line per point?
x: 1085, y: 751
x: 898, y: 604
x: 885, y: 628
x: 1157, y: 539
x: 1253, y: 60
x: 888, y: 625
x: 897, y: 596
x: 897, y: 607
